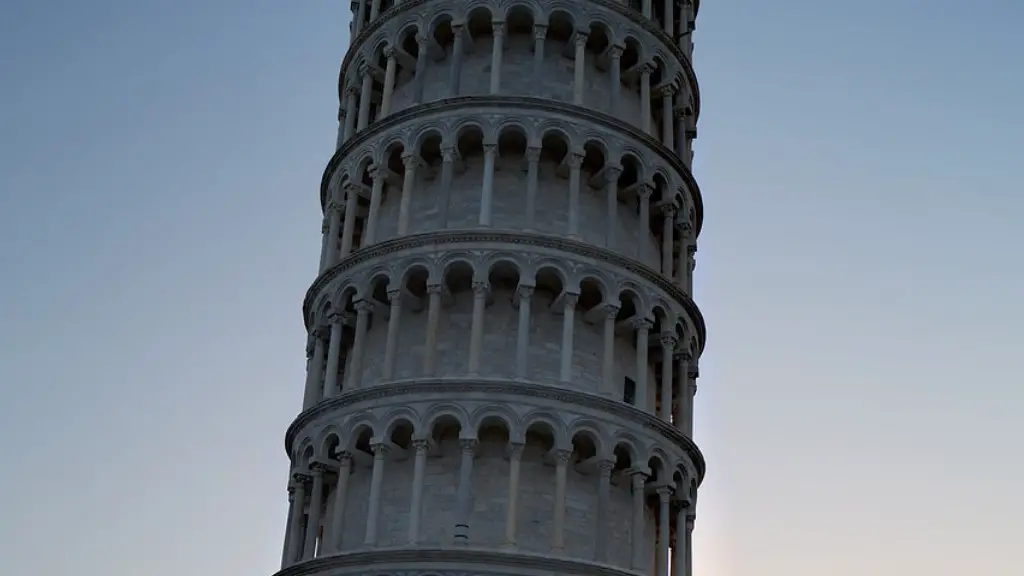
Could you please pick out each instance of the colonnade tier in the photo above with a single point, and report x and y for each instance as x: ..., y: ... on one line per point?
x: 481, y: 465
x: 594, y: 53
x: 513, y: 166
x: 535, y: 312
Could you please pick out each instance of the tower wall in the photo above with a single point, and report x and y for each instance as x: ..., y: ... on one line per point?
x: 502, y: 340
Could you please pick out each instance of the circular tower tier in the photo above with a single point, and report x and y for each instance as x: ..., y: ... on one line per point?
x: 503, y: 345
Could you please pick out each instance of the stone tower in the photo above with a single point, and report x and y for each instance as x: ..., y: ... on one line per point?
x: 502, y: 340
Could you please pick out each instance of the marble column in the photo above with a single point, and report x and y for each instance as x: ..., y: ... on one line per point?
x: 646, y: 9
x: 540, y: 33
x: 645, y: 98
x: 683, y: 234
x: 360, y: 18
x: 334, y: 211
x: 379, y: 175
x: 455, y: 72
x: 561, y: 480
x: 433, y: 321
x: 601, y: 529
x: 615, y: 53
x: 348, y: 230
x: 285, y: 559
x: 476, y: 334
x: 611, y: 176
x: 487, y: 193
x: 668, y: 346
x: 421, y: 446
x: 380, y: 451
x: 389, y: 81
x: 575, y: 161
x: 365, y: 95
x: 667, y: 129
x: 463, y: 497
x: 295, y: 539
x: 688, y: 549
x: 355, y: 371
x: 668, y: 225
x: 315, y: 505
x: 374, y: 10
x: 350, y: 111
x: 664, y: 529
x: 638, y: 477
x: 331, y: 387
x: 497, y: 48
x: 670, y: 17
x: 642, y: 327
x: 514, y: 460
x: 523, y: 330
x: 644, y: 192
x: 340, y: 500
x: 580, y: 63
x: 533, y: 163
x: 411, y: 162
x: 679, y: 559
x: 691, y: 263
x: 391, y: 344
x: 314, y: 370
x: 444, y: 198
x: 568, y: 325
x: 608, y: 357
x: 420, y: 80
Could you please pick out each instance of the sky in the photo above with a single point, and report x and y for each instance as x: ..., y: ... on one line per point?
x: 859, y: 269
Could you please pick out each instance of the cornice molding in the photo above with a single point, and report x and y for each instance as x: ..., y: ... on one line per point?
x: 623, y: 10
x: 582, y: 249
x: 440, y: 561
x: 460, y: 103
x: 496, y: 387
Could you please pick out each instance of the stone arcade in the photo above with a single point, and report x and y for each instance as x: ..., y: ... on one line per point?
x: 503, y: 344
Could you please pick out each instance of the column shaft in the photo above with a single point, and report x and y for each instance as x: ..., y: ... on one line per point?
x: 379, y: 174
x: 533, y: 161
x: 331, y: 244
x: 523, y: 331
x: 540, y: 32
x: 285, y: 559
x: 349, y: 228
x: 464, y: 494
x: 389, y: 82
x: 420, y: 80
x: 667, y: 129
x: 391, y: 344
x: 663, y: 531
x: 612, y: 183
x: 616, y: 83
x: 340, y: 499
x: 637, y: 533
x: 575, y: 162
x: 444, y: 198
x: 497, y: 49
x: 295, y: 539
x: 350, y: 112
x: 643, y: 328
x: 455, y: 71
x: 568, y: 325
x: 645, y: 222
x: 487, y: 194
x: 668, y: 344
x: 416, y: 504
x: 603, y: 506
x: 314, y: 372
x: 668, y: 225
x: 476, y: 334
x: 645, y: 98
x: 433, y: 321
x: 331, y: 387
x: 608, y: 360
x: 580, y: 62
x: 313, y: 523
x: 373, y: 506
x: 561, y: 475
x: 408, y: 182
x: 365, y: 94
x: 355, y: 376
x: 511, y: 513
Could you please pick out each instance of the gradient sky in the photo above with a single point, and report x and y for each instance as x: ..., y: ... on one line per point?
x: 860, y: 271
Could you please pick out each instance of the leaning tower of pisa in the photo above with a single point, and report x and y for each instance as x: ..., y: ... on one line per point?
x: 502, y: 341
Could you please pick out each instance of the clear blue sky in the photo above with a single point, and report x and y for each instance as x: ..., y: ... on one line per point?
x: 860, y: 270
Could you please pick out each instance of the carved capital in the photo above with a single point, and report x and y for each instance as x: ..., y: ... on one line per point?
x: 668, y: 90
x: 317, y: 469
x: 668, y: 341
x: 644, y: 190
x: 490, y: 148
x: 611, y: 311
x: 421, y: 445
x: 691, y: 249
x: 540, y: 31
x: 497, y: 28
x: 515, y: 450
x: 647, y: 68
x: 325, y: 226
x: 664, y: 492
x: 581, y: 38
x: 526, y: 292
x: 533, y: 154
x: 605, y: 467
x: 468, y: 446
x: 410, y: 161
x: 642, y: 324
x: 612, y: 173
x: 575, y: 160
x: 301, y: 479
x: 336, y: 317
x: 335, y: 207
x: 380, y: 449
x: 569, y: 300
x: 435, y: 288
x: 638, y: 478
x: 344, y: 459
x: 321, y: 333
x: 395, y: 296
x: 669, y: 210
x: 448, y: 153
x: 363, y: 306
x: 389, y: 52
x: 562, y: 457
x: 480, y: 288
x: 422, y: 40
x: 352, y: 90
x: 363, y: 70
x: 615, y: 52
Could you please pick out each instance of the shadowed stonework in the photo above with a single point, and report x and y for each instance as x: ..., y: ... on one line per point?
x: 503, y: 346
